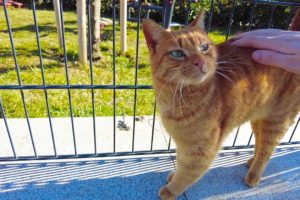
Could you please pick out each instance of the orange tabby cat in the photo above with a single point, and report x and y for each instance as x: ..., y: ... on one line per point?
x: 205, y: 90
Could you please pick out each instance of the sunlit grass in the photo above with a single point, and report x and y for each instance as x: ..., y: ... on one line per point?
x: 55, y: 74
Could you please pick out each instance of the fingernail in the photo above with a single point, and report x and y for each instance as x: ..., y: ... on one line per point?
x: 256, y: 55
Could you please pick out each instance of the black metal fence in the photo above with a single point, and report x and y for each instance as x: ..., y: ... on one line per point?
x: 92, y: 87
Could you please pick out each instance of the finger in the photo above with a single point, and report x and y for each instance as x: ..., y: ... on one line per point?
x: 271, y: 58
x: 260, y: 32
x: 265, y: 43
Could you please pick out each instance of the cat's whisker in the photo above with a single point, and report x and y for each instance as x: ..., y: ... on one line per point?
x: 225, y: 67
x: 170, y: 87
x: 179, y: 102
x: 235, y: 60
x: 230, y: 57
x: 233, y: 63
x: 167, y: 83
x: 224, y: 76
x: 226, y: 70
x: 230, y: 61
x: 226, y: 62
x: 181, y: 92
x: 174, y: 97
x: 161, y: 89
x: 171, y: 79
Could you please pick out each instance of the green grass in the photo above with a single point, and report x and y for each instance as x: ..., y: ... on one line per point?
x: 28, y: 60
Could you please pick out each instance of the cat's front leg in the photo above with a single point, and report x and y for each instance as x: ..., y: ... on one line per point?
x: 192, y: 163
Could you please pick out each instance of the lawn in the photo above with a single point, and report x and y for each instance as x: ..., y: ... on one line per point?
x: 28, y: 60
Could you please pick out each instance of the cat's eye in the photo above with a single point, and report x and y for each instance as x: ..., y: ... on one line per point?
x: 204, y: 47
x: 177, y: 54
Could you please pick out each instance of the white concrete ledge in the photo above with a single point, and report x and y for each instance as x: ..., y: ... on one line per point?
x: 104, y: 136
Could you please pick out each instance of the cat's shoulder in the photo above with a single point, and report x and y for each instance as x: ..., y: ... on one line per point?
x: 227, y: 49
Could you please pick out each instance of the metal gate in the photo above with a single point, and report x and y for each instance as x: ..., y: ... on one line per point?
x: 96, y: 129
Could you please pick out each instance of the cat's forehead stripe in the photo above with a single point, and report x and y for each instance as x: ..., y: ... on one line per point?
x: 188, y: 39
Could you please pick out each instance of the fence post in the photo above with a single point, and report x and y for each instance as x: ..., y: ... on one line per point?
x: 81, y: 22
x: 95, y: 28
x: 56, y: 6
x: 123, y: 24
x: 168, y: 7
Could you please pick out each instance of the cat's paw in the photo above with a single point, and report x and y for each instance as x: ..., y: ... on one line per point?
x: 171, y: 174
x: 165, y: 194
x: 250, y: 161
x: 252, y: 180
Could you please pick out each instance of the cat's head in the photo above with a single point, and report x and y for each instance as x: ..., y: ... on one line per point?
x: 186, y: 55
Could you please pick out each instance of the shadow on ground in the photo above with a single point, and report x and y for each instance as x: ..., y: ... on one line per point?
x: 225, y: 180
x: 120, y: 179
x: 141, y: 177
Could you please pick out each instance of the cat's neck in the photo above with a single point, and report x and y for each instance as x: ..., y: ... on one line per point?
x: 181, y: 100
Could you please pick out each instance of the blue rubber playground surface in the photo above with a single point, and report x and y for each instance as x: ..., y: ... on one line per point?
x: 140, y: 177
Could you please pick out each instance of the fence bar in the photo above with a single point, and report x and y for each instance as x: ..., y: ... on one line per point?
x: 18, y: 75
x: 22, y: 158
x: 188, y: 11
x: 43, y: 74
x: 230, y: 18
x: 236, y: 135
x: 210, y: 15
x: 153, y: 126
x: 67, y: 74
x: 114, y: 72
x: 136, y: 71
x: 271, y: 16
x: 7, y: 129
x: 169, y: 7
x: 281, y: 3
x: 62, y: 87
x: 168, y: 11
x: 294, y: 131
x: 251, y: 16
x: 250, y: 139
x: 169, y: 145
x: 92, y: 73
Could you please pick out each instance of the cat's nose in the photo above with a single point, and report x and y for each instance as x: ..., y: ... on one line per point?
x: 198, y: 63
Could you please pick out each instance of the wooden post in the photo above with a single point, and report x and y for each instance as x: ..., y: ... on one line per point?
x: 81, y: 22
x: 95, y: 28
x: 56, y: 6
x: 123, y: 25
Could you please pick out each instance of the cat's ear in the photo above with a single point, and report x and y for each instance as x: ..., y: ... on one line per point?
x: 152, y: 33
x: 199, y: 21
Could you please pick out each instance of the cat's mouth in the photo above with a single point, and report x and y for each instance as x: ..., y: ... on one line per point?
x: 196, y: 75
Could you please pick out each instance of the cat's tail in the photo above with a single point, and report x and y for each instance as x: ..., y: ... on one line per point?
x: 295, y: 25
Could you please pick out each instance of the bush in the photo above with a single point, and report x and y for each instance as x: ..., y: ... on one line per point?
x: 221, y: 12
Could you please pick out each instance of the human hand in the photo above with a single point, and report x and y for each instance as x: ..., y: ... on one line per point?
x: 275, y: 47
